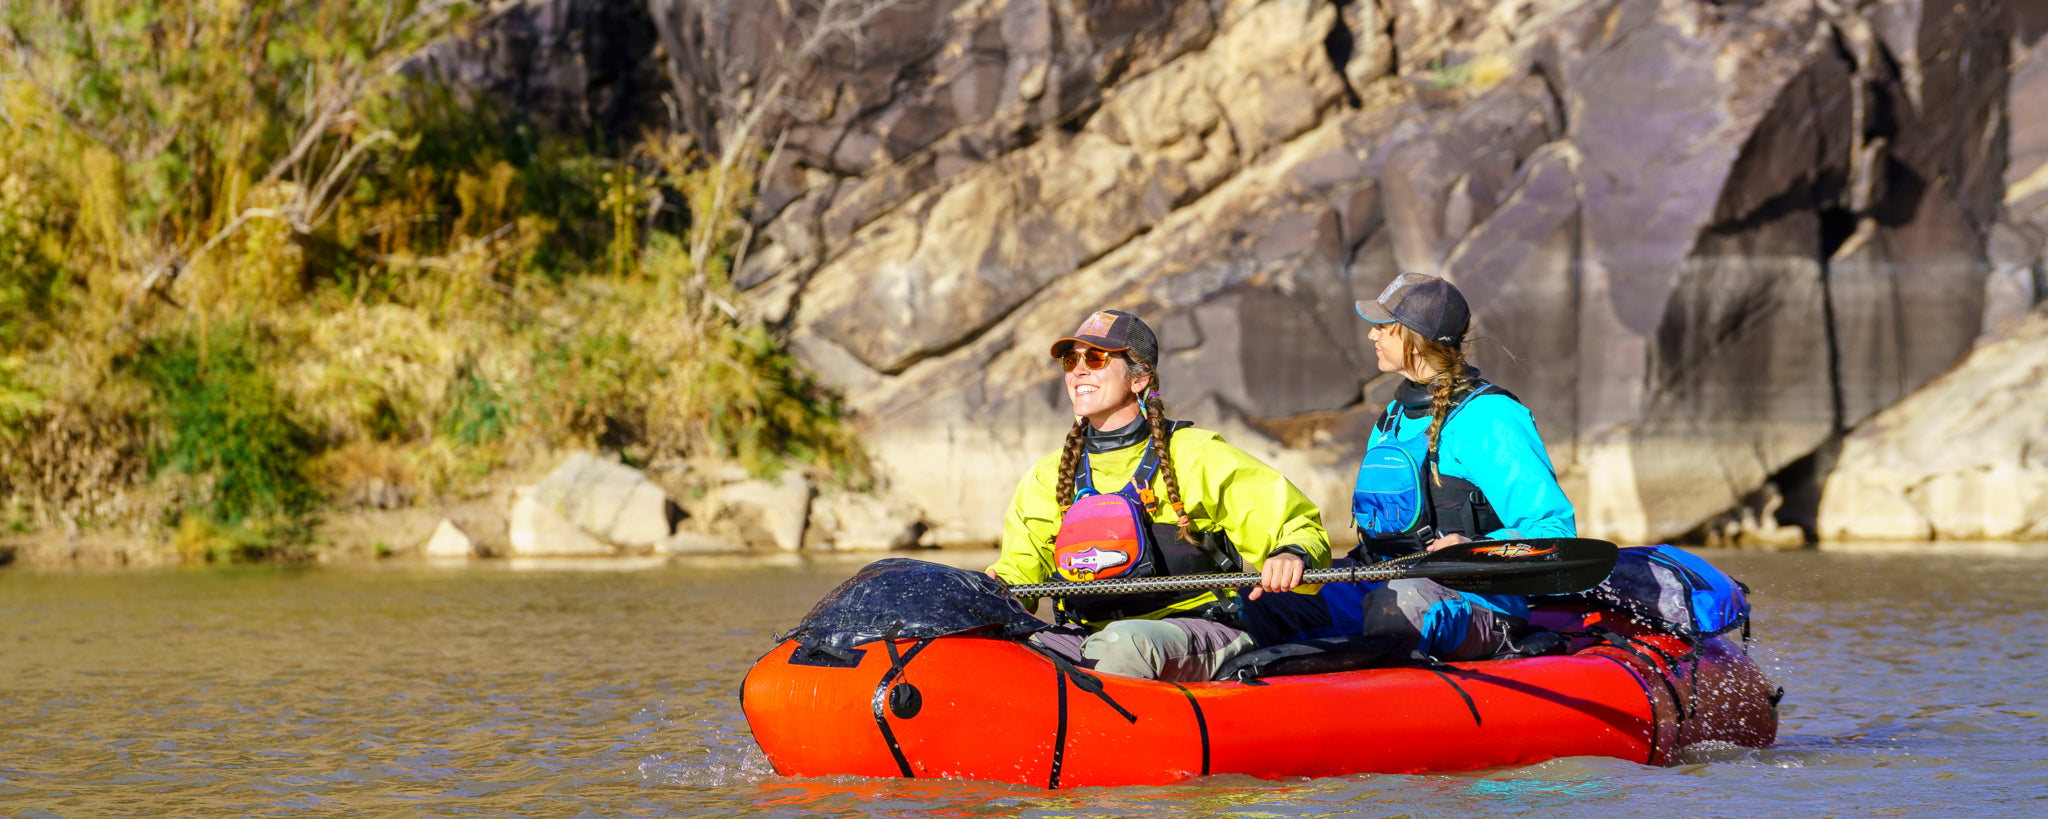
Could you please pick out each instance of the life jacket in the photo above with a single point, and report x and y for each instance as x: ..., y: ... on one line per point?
x: 1400, y: 502
x: 1105, y: 535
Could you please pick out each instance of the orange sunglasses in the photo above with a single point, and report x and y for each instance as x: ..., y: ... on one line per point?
x: 1095, y: 359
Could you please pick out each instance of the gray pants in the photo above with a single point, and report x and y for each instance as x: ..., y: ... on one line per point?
x: 1175, y: 649
x: 1441, y: 623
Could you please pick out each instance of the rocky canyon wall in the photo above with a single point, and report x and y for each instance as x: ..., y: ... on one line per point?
x: 1703, y: 240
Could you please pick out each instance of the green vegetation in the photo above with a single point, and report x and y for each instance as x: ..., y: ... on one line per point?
x: 246, y: 267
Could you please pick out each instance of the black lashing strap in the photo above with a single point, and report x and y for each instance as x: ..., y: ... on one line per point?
x: 1201, y: 724
x: 1438, y: 667
x: 1059, y: 739
x: 1652, y: 698
x: 897, y: 662
x: 1671, y: 666
x: 1063, y: 670
x: 1082, y: 679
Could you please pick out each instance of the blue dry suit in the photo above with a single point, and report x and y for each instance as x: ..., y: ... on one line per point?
x: 1490, y: 443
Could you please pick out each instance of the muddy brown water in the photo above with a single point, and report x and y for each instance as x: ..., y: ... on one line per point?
x: 1914, y: 680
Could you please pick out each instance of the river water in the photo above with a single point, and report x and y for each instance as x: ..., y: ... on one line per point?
x: 1914, y: 687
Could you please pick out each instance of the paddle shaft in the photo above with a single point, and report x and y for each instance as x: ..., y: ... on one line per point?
x: 1543, y: 566
x: 1195, y: 582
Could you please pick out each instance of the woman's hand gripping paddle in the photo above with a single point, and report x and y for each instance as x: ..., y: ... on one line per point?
x: 1546, y: 565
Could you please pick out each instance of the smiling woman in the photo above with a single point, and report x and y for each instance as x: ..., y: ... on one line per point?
x: 1135, y: 494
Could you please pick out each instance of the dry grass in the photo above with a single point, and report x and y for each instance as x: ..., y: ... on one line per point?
x: 221, y: 317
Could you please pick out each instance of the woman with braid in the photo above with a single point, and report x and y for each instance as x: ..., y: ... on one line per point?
x: 1134, y: 494
x: 1453, y: 459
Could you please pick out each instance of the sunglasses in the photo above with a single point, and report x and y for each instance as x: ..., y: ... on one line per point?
x: 1094, y: 358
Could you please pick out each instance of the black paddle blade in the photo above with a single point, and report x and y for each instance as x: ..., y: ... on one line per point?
x: 1555, y: 565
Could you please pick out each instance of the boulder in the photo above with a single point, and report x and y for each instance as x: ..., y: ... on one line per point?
x: 1965, y: 458
x: 762, y: 515
x: 863, y: 523
x: 610, y: 501
x: 449, y: 542
x: 537, y: 530
x: 485, y: 522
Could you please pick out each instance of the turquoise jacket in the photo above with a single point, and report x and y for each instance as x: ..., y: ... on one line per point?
x: 1492, y: 442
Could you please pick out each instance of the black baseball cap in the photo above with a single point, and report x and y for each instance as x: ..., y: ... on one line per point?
x: 1426, y: 304
x: 1115, y: 331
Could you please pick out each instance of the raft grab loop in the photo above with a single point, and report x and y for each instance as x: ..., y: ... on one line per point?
x: 1202, y: 723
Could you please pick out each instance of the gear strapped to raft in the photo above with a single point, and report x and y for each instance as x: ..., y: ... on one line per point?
x: 1671, y: 590
x: 1106, y: 535
x: 1401, y: 502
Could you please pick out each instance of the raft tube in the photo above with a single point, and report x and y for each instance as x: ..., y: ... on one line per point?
x: 988, y: 708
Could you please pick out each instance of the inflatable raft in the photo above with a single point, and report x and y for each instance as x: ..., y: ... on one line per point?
x: 885, y: 695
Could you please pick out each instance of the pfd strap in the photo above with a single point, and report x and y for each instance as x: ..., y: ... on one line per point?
x: 1138, y: 488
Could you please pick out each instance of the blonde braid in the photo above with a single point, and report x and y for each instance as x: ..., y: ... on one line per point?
x: 1070, y: 460
x: 1453, y: 377
x: 1155, y: 409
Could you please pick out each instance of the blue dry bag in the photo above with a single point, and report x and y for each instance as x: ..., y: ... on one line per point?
x: 1672, y: 590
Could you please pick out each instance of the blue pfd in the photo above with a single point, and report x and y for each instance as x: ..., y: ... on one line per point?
x: 1401, y: 502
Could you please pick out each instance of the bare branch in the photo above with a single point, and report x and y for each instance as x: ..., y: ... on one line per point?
x: 837, y: 20
x: 320, y: 201
x: 322, y: 157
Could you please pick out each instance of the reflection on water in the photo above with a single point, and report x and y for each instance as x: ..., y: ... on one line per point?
x: 1912, y: 678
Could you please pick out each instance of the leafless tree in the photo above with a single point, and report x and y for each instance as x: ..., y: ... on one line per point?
x: 325, y: 157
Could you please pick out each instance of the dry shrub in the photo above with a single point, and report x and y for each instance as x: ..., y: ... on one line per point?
x: 66, y: 463
x: 195, y: 325
x: 375, y: 373
x: 365, y: 475
x: 261, y: 267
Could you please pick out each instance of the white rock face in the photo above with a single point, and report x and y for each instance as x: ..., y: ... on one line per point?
x: 538, y: 530
x: 449, y: 541
x: 1965, y: 458
x: 762, y: 515
x: 863, y: 523
x: 609, y: 501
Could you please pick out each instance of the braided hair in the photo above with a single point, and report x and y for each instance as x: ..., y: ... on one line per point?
x: 1454, y: 377
x: 1070, y: 461
x: 1155, y: 415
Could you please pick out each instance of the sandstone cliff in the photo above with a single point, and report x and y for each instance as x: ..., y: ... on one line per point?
x: 1703, y: 240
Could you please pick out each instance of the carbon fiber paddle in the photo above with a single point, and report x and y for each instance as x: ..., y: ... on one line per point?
x: 1554, y: 565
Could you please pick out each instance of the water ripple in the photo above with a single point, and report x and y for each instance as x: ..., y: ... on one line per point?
x: 1912, y: 687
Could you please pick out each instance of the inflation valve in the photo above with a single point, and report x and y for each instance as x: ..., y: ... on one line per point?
x: 905, y: 701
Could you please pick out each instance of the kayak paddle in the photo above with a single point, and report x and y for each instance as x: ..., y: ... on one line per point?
x: 1546, y: 565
